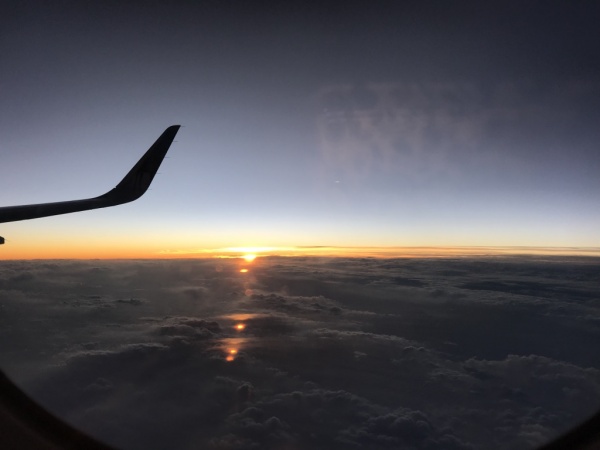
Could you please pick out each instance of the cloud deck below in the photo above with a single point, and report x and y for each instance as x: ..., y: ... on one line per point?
x: 307, y: 352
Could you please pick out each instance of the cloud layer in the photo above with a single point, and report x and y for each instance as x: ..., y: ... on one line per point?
x: 308, y: 352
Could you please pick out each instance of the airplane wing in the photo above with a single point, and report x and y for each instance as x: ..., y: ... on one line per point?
x: 132, y: 187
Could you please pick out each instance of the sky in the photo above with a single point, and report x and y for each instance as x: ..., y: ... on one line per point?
x: 338, y: 125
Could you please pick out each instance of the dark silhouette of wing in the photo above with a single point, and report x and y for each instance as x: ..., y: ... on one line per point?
x: 130, y: 188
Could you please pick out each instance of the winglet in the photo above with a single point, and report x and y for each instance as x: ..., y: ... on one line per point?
x: 130, y: 188
x: 137, y: 181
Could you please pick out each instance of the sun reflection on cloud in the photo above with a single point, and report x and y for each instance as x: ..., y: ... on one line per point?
x: 231, y: 354
x: 243, y: 270
x: 231, y: 347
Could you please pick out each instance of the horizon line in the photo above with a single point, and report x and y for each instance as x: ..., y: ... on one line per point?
x: 383, y: 251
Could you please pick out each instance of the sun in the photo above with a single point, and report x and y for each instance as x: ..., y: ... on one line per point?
x: 249, y: 257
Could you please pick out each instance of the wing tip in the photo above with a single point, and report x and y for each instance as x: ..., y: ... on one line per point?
x: 138, y: 179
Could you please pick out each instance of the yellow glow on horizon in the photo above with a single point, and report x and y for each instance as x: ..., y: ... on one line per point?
x: 249, y: 250
x: 75, y: 249
x: 38, y: 246
x: 391, y: 251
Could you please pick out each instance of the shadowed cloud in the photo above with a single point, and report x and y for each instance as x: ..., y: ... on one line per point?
x: 308, y: 352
